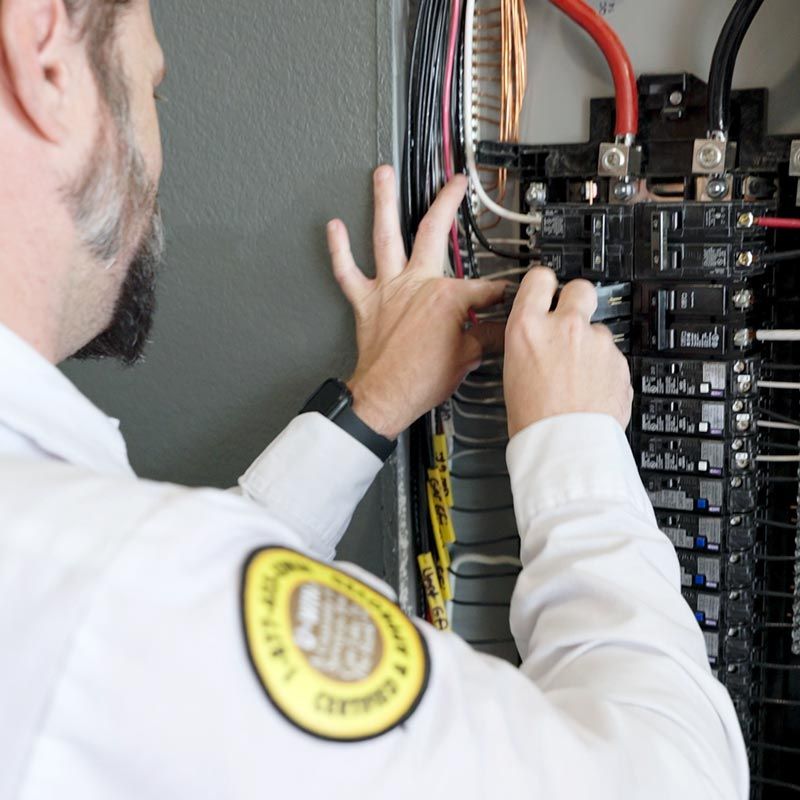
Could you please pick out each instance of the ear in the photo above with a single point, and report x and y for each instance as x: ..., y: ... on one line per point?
x: 37, y: 40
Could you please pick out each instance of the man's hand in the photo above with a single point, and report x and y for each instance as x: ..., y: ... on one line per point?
x: 413, y: 350
x: 557, y: 362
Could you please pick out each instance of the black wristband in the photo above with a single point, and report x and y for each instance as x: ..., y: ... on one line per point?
x: 349, y: 421
x: 334, y: 401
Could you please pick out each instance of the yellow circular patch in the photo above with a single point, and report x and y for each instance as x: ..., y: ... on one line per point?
x: 336, y: 657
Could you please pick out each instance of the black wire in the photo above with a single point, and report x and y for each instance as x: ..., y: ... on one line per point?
x: 485, y: 510
x: 484, y: 575
x: 498, y: 540
x: 770, y: 523
x: 723, y: 63
x: 480, y: 603
x: 775, y: 258
x: 767, y: 412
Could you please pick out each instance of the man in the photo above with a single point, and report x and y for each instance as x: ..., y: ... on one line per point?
x: 166, y: 642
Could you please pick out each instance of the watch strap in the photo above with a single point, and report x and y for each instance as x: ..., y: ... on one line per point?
x: 350, y: 422
x: 334, y: 401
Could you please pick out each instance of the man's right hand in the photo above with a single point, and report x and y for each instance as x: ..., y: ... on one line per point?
x: 557, y: 362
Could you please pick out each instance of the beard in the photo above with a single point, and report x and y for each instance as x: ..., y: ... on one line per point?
x: 116, y: 213
x: 126, y: 336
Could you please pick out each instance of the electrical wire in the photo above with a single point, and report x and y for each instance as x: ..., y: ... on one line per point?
x: 781, y: 223
x: 627, y: 92
x: 469, y: 133
x: 723, y: 64
x: 778, y: 336
x: 777, y: 258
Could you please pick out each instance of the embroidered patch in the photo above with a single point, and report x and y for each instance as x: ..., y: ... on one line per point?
x: 336, y: 658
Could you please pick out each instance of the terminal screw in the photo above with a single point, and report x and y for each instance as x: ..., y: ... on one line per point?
x: 614, y: 159
x: 746, y: 220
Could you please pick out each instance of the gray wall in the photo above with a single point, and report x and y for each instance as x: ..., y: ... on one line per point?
x: 273, y: 124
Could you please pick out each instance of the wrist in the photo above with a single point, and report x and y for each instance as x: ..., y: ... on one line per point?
x: 373, y: 410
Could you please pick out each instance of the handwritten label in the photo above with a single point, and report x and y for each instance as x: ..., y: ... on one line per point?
x: 441, y: 508
x: 433, y: 592
x: 442, y: 461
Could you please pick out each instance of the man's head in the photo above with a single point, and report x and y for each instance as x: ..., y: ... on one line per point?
x: 80, y: 232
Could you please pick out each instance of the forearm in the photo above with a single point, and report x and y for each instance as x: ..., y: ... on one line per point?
x: 597, y: 612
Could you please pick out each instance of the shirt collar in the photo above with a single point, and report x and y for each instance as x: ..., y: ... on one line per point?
x: 38, y: 402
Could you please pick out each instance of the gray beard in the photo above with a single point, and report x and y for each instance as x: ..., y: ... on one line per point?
x: 126, y: 336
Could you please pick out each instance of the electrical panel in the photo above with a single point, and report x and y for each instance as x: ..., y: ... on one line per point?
x: 693, y: 241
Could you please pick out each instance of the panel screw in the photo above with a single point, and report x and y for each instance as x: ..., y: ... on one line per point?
x: 623, y: 190
x: 716, y: 188
x: 676, y: 98
x: 536, y: 194
x: 710, y: 155
x: 614, y: 159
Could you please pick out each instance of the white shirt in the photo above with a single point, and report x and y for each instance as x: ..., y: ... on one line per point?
x: 124, y: 672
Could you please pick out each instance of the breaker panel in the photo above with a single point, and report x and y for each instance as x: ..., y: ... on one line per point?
x: 685, y: 213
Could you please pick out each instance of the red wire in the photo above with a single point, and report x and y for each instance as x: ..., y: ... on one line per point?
x: 447, y: 93
x: 778, y: 222
x: 617, y: 57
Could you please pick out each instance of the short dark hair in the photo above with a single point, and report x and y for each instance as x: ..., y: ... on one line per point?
x: 96, y: 21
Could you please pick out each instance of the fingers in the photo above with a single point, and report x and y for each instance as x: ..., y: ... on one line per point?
x: 536, y: 292
x: 486, y: 339
x: 433, y: 232
x: 481, y: 293
x: 579, y: 297
x: 390, y: 253
x: 351, y: 279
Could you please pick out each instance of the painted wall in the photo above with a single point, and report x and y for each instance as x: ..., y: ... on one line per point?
x: 271, y: 127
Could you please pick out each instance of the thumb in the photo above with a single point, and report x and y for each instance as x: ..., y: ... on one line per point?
x: 350, y: 278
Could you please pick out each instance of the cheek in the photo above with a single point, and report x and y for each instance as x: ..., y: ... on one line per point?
x: 148, y: 133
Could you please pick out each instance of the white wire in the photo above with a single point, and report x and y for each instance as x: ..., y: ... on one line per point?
x: 486, y: 417
x: 486, y: 561
x: 469, y: 143
x: 778, y: 336
x: 778, y: 385
x: 476, y: 558
x: 474, y: 452
x: 480, y: 401
x: 779, y: 459
x: 506, y: 273
x: 485, y: 440
x: 780, y: 426
x: 490, y: 384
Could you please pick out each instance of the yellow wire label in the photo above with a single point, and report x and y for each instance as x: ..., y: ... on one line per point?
x: 435, y: 509
x: 336, y: 658
x: 440, y: 507
x: 444, y: 581
x: 433, y: 592
x: 442, y: 461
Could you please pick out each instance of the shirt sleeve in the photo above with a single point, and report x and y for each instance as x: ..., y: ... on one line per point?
x: 599, y: 618
x: 312, y: 477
